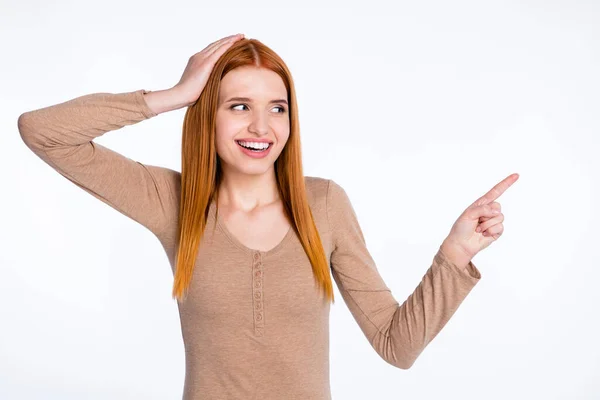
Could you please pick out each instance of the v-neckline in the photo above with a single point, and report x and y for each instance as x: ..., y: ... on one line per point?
x: 221, y: 225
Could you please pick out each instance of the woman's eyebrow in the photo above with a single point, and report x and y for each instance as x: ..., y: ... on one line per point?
x: 250, y: 100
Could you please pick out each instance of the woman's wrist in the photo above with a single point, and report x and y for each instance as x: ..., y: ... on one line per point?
x: 162, y: 101
x: 455, y: 255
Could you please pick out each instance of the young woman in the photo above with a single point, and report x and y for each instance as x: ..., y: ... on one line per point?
x: 252, y: 242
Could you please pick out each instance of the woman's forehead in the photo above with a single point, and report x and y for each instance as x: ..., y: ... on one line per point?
x: 252, y: 82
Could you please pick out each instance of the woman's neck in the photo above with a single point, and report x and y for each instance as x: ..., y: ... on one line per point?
x: 248, y: 192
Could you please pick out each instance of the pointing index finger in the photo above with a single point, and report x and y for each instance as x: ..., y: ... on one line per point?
x: 497, y: 190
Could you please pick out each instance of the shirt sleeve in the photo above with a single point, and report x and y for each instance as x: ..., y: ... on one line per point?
x: 398, y: 333
x: 62, y: 136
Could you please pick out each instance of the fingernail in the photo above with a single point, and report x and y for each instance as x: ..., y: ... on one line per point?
x: 495, y: 211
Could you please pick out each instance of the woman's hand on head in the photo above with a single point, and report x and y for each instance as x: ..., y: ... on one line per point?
x: 198, y: 69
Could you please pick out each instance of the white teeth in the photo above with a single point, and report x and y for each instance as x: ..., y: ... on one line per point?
x: 254, y: 145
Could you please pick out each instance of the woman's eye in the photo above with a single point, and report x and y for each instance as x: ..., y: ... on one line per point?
x: 233, y: 107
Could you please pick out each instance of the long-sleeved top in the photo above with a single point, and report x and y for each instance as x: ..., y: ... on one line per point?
x: 254, y: 324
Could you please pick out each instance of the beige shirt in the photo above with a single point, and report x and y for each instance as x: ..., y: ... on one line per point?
x: 254, y: 324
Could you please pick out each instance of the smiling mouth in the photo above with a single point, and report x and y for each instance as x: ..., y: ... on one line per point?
x: 254, y: 149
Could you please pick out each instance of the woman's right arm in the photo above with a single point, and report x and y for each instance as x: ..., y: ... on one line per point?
x: 62, y: 136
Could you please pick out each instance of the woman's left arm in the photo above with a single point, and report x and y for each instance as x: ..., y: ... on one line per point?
x: 400, y: 332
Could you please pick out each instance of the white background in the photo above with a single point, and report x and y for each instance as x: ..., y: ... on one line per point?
x: 415, y: 108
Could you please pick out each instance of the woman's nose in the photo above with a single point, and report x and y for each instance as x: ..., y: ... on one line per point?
x: 259, y: 124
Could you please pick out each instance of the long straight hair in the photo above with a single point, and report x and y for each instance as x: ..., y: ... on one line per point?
x: 201, y: 171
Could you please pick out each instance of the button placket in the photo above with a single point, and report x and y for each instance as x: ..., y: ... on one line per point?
x: 257, y: 293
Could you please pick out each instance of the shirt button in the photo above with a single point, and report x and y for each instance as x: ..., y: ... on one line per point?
x: 259, y: 317
x: 257, y: 273
x: 256, y: 256
x: 258, y: 306
x: 257, y: 295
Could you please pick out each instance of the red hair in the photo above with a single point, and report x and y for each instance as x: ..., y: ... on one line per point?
x: 201, y: 171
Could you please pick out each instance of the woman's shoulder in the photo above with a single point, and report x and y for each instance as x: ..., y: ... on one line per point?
x: 316, y: 186
x: 316, y: 190
x: 327, y: 191
x: 315, y: 181
x: 325, y: 187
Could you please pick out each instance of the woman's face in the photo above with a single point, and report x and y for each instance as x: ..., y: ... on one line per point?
x: 252, y: 108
